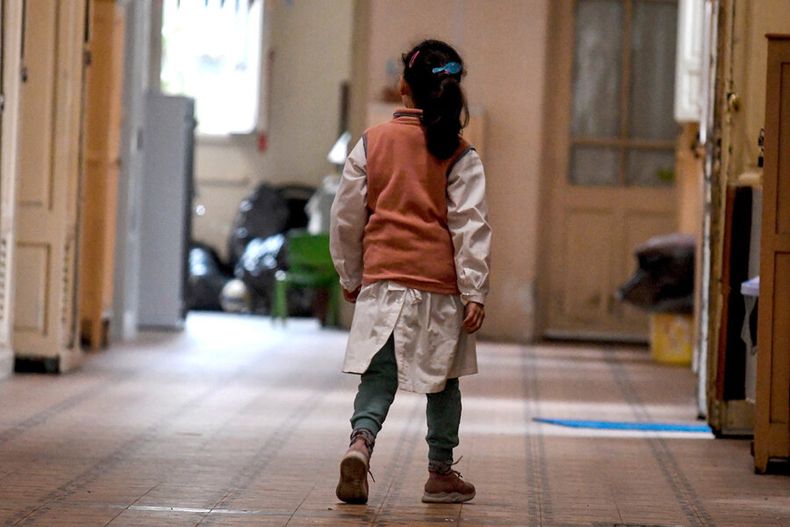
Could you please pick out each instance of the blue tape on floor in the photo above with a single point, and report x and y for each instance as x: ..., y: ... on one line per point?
x: 622, y: 425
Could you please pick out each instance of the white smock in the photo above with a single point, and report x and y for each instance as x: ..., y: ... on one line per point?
x: 431, y: 345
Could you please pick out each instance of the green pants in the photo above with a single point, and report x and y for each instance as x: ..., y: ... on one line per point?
x: 377, y: 391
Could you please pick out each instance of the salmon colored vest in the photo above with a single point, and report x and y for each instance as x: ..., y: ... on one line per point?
x: 406, y: 238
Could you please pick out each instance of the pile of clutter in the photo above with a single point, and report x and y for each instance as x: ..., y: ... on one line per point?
x: 664, y: 279
x: 257, y: 248
x: 663, y: 285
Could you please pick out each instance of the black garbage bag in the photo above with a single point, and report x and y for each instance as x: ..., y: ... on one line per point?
x: 258, y: 267
x: 664, y: 279
x: 262, y: 214
x: 296, y: 198
x: 207, y: 276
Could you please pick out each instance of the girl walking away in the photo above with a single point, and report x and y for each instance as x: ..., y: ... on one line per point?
x: 410, y: 240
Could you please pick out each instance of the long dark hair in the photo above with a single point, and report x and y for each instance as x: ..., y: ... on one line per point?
x: 436, y: 90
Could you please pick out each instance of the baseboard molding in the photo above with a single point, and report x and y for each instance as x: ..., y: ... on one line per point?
x: 595, y: 336
x: 6, y: 363
x: 67, y: 359
x: 37, y: 365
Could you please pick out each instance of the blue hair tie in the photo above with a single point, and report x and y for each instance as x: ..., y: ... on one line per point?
x: 451, y: 68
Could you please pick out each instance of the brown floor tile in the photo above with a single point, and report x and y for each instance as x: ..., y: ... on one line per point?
x: 238, y: 422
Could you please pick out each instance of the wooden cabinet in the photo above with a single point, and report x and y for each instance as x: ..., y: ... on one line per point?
x: 772, y: 427
x: 102, y: 166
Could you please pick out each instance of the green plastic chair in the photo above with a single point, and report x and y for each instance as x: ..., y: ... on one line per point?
x: 309, y: 266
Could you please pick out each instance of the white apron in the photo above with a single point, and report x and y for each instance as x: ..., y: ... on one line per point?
x: 430, y: 344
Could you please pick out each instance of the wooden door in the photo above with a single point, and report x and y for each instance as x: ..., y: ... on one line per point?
x: 102, y: 167
x: 610, y: 158
x: 772, y: 426
x: 10, y: 49
x: 49, y: 166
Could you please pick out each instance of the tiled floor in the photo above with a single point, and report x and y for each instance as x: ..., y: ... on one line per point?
x: 234, y: 422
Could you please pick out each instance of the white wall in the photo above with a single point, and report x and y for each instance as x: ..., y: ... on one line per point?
x: 127, y: 249
x: 310, y: 51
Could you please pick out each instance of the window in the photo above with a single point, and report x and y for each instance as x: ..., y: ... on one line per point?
x: 622, y: 128
x: 211, y: 52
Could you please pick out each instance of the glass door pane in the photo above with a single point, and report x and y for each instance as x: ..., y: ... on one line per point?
x: 597, y: 68
x: 653, y: 36
x: 592, y: 165
x: 651, y: 168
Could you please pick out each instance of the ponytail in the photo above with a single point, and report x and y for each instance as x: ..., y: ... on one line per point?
x: 433, y: 71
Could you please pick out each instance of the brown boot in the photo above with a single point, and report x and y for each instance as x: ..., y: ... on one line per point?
x: 446, y: 485
x: 354, y: 468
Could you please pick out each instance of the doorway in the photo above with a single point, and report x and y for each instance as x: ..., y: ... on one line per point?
x: 610, y: 158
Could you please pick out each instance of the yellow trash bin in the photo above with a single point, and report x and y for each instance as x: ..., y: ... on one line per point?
x: 671, y: 336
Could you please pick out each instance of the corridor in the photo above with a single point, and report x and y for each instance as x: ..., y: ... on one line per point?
x: 237, y: 422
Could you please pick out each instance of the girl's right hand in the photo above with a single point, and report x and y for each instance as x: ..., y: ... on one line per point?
x: 474, y: 314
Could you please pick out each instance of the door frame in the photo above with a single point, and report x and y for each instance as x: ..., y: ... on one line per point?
x: 126, y: 291
x: 556, y: 148
x: 11, y: 49
x: 102, y: 153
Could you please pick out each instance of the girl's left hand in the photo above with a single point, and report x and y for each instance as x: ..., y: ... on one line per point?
x: 351, y: 296
x: 474, y: 314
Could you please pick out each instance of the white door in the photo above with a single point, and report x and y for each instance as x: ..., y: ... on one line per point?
x: 10, y: 48
x: 49, y: 166
x: 611, y: 158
